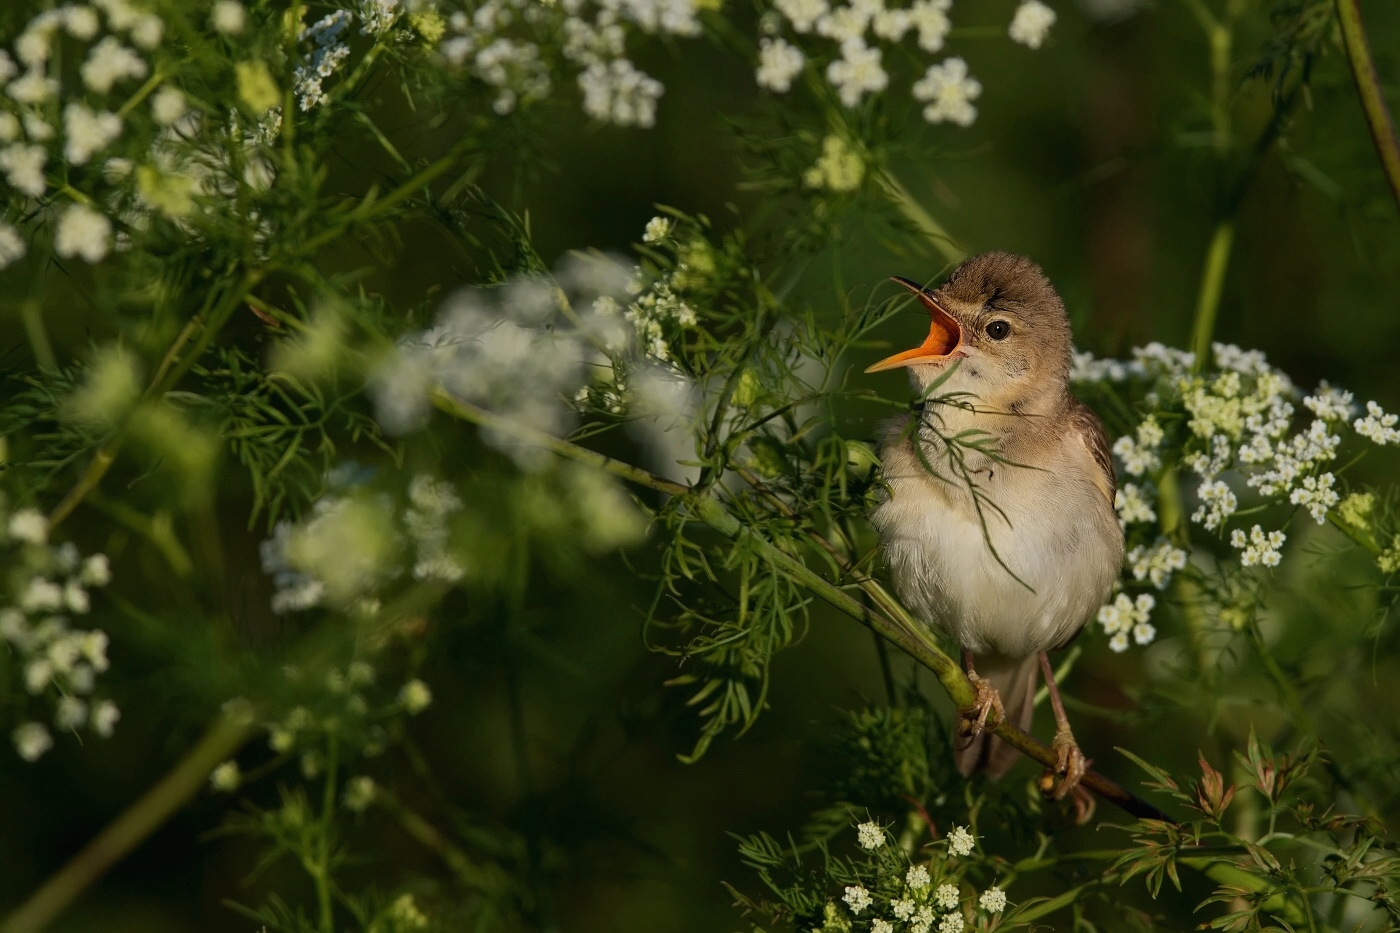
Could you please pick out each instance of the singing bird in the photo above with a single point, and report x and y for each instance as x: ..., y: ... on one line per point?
x: 998, y: 524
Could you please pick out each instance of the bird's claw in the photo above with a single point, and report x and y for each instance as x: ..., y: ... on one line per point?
x: 974, y: 717
x: 1070, y: 762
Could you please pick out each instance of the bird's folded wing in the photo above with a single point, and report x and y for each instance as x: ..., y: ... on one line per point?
x: 1088, y: 430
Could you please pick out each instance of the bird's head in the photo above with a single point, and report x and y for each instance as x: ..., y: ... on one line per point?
x: 1002, y: 318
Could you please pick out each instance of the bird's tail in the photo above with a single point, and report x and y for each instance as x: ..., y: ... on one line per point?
x: 1015, y: 680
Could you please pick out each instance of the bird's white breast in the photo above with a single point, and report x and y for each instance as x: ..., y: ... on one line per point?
x: 1046, y: 521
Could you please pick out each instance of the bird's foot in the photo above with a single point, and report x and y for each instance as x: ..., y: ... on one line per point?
x: 1070, y: 762
x: 974, y: 717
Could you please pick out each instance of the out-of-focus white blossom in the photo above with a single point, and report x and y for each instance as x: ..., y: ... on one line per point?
x: 12, y: 246
x: 415, y: 697
x: 1377, y: 426
x: 1156, y: 563
x: 658, y: 229
x: 949, y: 91
x: 168, y: 105
x: 840, y: 167
x: 803, y: 14
x: 328, y: 54
x: 618, y: 93
x: 83, y: 232
x: 109, y: 62
x: 23, y: 166
x: 778, y: 63
x: 1218, y: 503
x: 228, y: 17
x: 226, y: 777
x: 359, y: 793
x: 28, y: 526
x: 1031, y: 24
x: 87, y: 132
x: 1133, y: 505
x: 32, y: 740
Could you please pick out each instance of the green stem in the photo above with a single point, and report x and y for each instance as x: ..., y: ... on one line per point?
x: 322, y: 874
x: 1281, y: 682
x: 898, y: 626
x: 1368, y: 87
x: 173, y: 791
x: 31, y: 312
x: 941, y: 239
x: 1212, y: 282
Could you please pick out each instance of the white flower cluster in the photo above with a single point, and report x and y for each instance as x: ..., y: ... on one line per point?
x: 1133, y: 503
x: 858, y: 27
x: 920, y: 903
x: 431, y: 503
x: 1156, y: 563
x: 339, y: 555
x: 327, y: 55
x: 1125, y: 616
x: 58, y: 661
x: 1259, y: 548
x: 1138, y: 454
x: 595, y: 43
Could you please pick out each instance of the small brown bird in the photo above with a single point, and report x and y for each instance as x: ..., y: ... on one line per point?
x: 999, y: 524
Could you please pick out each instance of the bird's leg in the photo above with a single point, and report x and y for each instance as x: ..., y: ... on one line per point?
x: 974, y: 717
x: 1069, y: 760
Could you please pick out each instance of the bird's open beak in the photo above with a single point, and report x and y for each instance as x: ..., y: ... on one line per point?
x: 944, y: 335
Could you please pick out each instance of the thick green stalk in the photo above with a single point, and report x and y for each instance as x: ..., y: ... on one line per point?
x: 1212, y: 283
x: 898, y: 627
x: 121, y: 836
x: 1368, y: 87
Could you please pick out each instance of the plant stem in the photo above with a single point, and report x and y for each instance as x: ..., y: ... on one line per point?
x: 32, y: 313
x: 139, y: 820
x: 1212, y: 282
x: 897, y: 626
x: 1368, y: 88
x: 941, y: 239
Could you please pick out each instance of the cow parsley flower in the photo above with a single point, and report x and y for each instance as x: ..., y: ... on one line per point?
x: 857, y: 898
x: 33, y: 87
x: 917, y: 877
x: 1377, y: 426
x: 225, y: 777
x: 28, y: 526
x: 881, y: 926
x: 658, y: 229
x: 946, y: 896
x: 359, y: 793
x: 951, y: 923
x: 922, y: 921
x: 168, y: 105
x: 325, y: 59
x: 83, y: 232
x: 415, y: 697
x: 1139, y: 454
x: 32, y: 740
x: 12, y: 246
x: 803, y: 14
x: 1031, y: 24
x: 903, y: 908
x: 1125, y: 616
x: 1259, y: 548
x: 993, y: 900
x: 1133, y: 505
x: 1218, y: 503
x: 620, y: 94
x: 87, y: 132
x: 857, y: 72
x: 228, y: 17
x: 1318, y: 494
x: 949, y: 91
x: 1330, y: 403
x: 23, y: 166
x: 840, y: 167
x: 778, y: 63
x: 960, y: 841
x: 930, y: 19
x: 1156, y: 563
x: 871, y: 836
x: 110, y: 62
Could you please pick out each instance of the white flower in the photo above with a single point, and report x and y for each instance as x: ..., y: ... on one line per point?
x: 32, y: 740
x: 870, y: 836
x: 70, y: 714
x: 1218, y: 503
x: 949, y: 92
x: 34, y: 87
x: 23, y: 166
x: 903, y: 908
x: 960, y: 841
x: 922, y: 920
x: 9, y: 127
x: 1123, y: 615
x: 168, y: 105
x: 917, y: 877
x: 1133, y: 505
x: 147, y: 31
x: 81, y: 22
x: 1317, y: 494
x: 97, y: 571
x: 378, y: 16
x: 802, y: 14
x: 75, y: 597
x: 1377, y: 426
x: 12, y: 246
x: 41, y: 596
x: 857, y: 898
x: 930, y: 18
x: 225, y: 777
x: 881, y: 926
x: 778, y: 63
x: 839, y: 168
x: 1156, y: 563
x: 415, y: 697
x: 359, y: 793
x: 951, y: 923
x: 87, y: 132
x: 1119, y: 642
x: 8, y: 68
x: 890, y: 25
x: 618, y: 93
x: 228, y: 17
x: 857, y: 72
x: 104, y: 718
x: 1031, y: 24
x: 1259, y: 548
x: 110, y: 62
x: 1330, y: 403
x: 1143, y: 633
x: 993, y: 900
x: 83, y: 232
x: 29, y: 526
x: 1139, y: 455
x: 946, y: 896
x: 658, y: 229
x: 38, y: 673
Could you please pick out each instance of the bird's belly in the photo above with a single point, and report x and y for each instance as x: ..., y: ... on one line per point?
x: 1049, y: 565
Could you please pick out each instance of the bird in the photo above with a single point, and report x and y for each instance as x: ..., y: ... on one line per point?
x: 997, y: 518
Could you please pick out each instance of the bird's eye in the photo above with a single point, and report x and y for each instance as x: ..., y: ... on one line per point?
x: 998, y: 330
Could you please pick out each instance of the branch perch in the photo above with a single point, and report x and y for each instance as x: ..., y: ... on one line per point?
x: 888, y: 618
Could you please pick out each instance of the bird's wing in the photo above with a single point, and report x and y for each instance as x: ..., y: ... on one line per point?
x: 1086, y: 427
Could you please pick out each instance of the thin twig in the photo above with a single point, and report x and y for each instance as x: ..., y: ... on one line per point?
x: 1368, y: 87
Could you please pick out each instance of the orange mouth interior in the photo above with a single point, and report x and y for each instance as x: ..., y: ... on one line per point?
x: 944, y: 334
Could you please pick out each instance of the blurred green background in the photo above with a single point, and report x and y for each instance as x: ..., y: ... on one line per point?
x: 1093, y: 156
